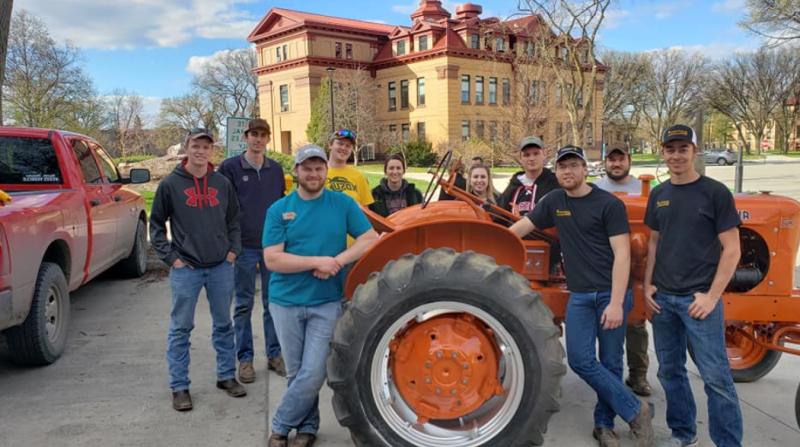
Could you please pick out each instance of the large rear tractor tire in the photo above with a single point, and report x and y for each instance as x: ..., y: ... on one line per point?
x: 135, y: 265
x: 41, y: 338
x: 446, y: 349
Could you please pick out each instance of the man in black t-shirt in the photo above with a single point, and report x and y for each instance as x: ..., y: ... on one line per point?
x: 594, y: 234
x: 692, y: 254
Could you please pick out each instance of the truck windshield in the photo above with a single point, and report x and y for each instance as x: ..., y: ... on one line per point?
x: 28, y: 161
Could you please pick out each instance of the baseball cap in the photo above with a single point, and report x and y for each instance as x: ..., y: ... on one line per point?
x: 679, y: 132
x: 197, y: 132
x: 309, y: 151
x: 343, y: 134
x: 570, y: 150
x: 257, y: 123
x: 530, y: 141
x: 617, y: 147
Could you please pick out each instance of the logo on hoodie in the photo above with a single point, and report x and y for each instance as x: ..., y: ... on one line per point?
x: 194, y: 198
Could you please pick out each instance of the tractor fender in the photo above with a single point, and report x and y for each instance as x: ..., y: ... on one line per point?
x: 460, y: 234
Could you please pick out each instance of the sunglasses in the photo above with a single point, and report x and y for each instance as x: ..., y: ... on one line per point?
x: 344, y: 133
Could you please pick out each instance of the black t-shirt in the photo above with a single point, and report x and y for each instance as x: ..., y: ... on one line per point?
x: 584, y: 225
x: 689, y: 219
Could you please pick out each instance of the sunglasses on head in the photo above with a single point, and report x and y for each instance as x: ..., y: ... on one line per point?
x: 344, y: 133
x: 199, y: 130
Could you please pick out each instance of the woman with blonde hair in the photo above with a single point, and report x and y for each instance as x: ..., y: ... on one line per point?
x: 479, y: 183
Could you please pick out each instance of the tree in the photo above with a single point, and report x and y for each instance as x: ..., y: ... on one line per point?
x: 6, y: 7
x: 125, y: 110
x: 568, y: 48
x: 777, y: 20
x: 189, y: 110
x: 675, y: 81
x: 44, y: 81
x: 319, y: 124
x: 229, y: 83
x: 356, y: 107
x: 787, y: 111
x: 624, y: 90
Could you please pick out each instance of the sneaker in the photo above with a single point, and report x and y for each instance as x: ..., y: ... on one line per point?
x: 304, y: 440
x: 232, y: 387
x: 642, y: 425
x: 276, y: 364
x: 605, y: 437
x: 246, y: 372
x: 675, y: 442
x: 277, y: 440
x: 639, y: 385
x: 182, y: 400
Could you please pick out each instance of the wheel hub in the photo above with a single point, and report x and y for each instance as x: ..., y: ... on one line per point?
x: 446, y: 367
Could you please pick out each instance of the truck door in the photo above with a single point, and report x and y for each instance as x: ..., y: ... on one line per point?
x: 103, y: 224
x: 124, y: 205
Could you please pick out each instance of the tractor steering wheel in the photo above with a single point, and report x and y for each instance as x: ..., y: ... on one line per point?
x: 662, y: 172
x: 442, y: 164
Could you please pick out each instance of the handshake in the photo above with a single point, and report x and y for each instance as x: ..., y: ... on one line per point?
x: 325, y: 267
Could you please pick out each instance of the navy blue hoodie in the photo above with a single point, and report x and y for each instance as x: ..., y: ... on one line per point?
x: 203, y: 215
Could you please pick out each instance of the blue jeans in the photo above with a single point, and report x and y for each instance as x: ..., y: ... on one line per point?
x: 247, y: 264
x: 672, y: 328
x: 305, y: 334
x: 186, y: 284
x: 584, y: 330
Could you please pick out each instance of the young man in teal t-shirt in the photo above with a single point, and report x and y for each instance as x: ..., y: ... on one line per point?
x: 305, y: 240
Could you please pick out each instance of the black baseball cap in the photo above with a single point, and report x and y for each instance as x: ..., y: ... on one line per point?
x: 566, y: 151
x: 679, y: 132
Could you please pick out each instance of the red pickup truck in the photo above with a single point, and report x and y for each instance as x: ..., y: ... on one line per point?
x: 69, y: 218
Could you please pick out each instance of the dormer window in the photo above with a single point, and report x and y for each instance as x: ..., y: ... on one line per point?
x: 401, y: 47
x: 500, y: 45
x: 476, y: 41
x: 423, y: 43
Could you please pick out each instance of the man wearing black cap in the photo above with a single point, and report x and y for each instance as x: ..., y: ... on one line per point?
x: 259, y: 182
x: 306, y: 249
x: 202, y: 210
x: 692, y: 254
x: 594, y: 234
x: 618, y: 179
x: 527, y: 187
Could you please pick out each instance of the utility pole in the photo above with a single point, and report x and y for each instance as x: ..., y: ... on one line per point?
x: 6, y: 7
x: 330, y: 71
x: 700, y: 161
x: 739, y: 170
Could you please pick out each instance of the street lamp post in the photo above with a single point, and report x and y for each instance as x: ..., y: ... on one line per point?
x: 330, y: 71
x: 739, y: 170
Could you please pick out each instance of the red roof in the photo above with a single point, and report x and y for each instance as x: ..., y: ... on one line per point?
x: 307, y: 18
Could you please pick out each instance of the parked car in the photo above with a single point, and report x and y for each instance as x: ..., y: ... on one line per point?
x: 721, y: 156
x: 69, y: 219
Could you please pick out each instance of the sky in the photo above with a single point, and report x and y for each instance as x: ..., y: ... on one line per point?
x: 154, y: 47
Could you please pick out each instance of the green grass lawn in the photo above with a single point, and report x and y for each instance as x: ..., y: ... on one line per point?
x: 794, y: 154
x: 148, y: 200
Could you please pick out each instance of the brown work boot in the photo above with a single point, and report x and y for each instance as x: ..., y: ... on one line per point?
x: 304, y: 440
x: 182, y: 400
x: 605, y: 437
x: 277, y: 440
x: 232, y: 387
x: 639, y: 385
x: 277, y: 365
x: 642, y: 425
x: 246, y: 372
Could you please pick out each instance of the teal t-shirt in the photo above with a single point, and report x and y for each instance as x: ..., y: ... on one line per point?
x: 317, y: 227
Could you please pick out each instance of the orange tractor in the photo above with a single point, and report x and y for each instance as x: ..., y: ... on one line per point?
x: 449, y: 338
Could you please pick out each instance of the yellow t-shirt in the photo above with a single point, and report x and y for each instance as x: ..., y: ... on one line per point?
x: 351, y: 182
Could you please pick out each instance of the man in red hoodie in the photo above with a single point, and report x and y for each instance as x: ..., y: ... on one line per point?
x: 202, y: 210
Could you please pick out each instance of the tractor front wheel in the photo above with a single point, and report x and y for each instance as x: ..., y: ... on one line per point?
x: 446, y: 349
x: 797, y: 406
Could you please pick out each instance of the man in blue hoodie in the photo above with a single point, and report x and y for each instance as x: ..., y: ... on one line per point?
x: 258, y: 181
x: 202, y: 210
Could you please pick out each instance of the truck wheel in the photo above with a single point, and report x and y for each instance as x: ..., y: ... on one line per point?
x: 797, y: 406
x: 749, y: 361
x: 40, y: 340
x: 445, y: 349
x: 135, y: 265
x: 722, y: 162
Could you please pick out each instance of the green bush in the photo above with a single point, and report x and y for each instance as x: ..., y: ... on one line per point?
x: 286, y: 161
x: 417, y: 153
x: 133, y: 159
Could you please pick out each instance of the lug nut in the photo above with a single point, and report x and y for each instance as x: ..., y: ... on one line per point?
x: 464, y: 381
x: 439, y: 354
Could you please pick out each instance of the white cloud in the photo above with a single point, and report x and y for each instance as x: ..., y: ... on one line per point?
x: 729, y: 6
x: 717, y: 50
x: 665, y: 10
x: 142, y: 23
x: 405, y: 9
x: 614, y: 18
x: 382, y: 22
x: 196, y: 63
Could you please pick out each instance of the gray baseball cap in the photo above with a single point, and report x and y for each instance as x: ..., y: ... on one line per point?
x: 530, y: 141
x: 309, y: 151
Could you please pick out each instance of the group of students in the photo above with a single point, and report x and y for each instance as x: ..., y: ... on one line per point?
x: 221, y: 240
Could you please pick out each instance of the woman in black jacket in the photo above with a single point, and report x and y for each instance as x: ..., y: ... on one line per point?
x: 394, y: 193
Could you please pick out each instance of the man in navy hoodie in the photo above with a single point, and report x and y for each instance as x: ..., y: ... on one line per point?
x: 258, y: 182
x: 202, y: 211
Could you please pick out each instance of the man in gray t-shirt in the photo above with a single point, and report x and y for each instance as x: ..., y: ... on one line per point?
x: 618, y: 179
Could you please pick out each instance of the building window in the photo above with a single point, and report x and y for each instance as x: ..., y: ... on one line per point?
x: 338, y: 46
x: 530, y: 49
x: 286, y: 52
x: 579, y: 100
x: 543, y: 92
x: 392, y: 96
x: 278, y: 54
x: 589, y: 134
x: 420, y: 91
x: 464, y: 130
x: 493, y: 91
x: 478, y: 89
x: 284, y: 98
x: 585, y: 57
x: 492, y: 130
x: 421, y: 130
x: 401, y: 47
x: 506, y: 131
x: 404, y: 94
x: 423, y: 43
x: 559, y: 99
x: 506, y: 91
x: 348, y: 48
x: 476, y: 42
x: 559, y: 131
x: 465, y: 89
x: 500, y: 45
x: 406, y: 129
x: 564, y: 53
x: 479, y: 129
x: 533, y: 94
x: 570, y: 136
x: 393, y: 132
